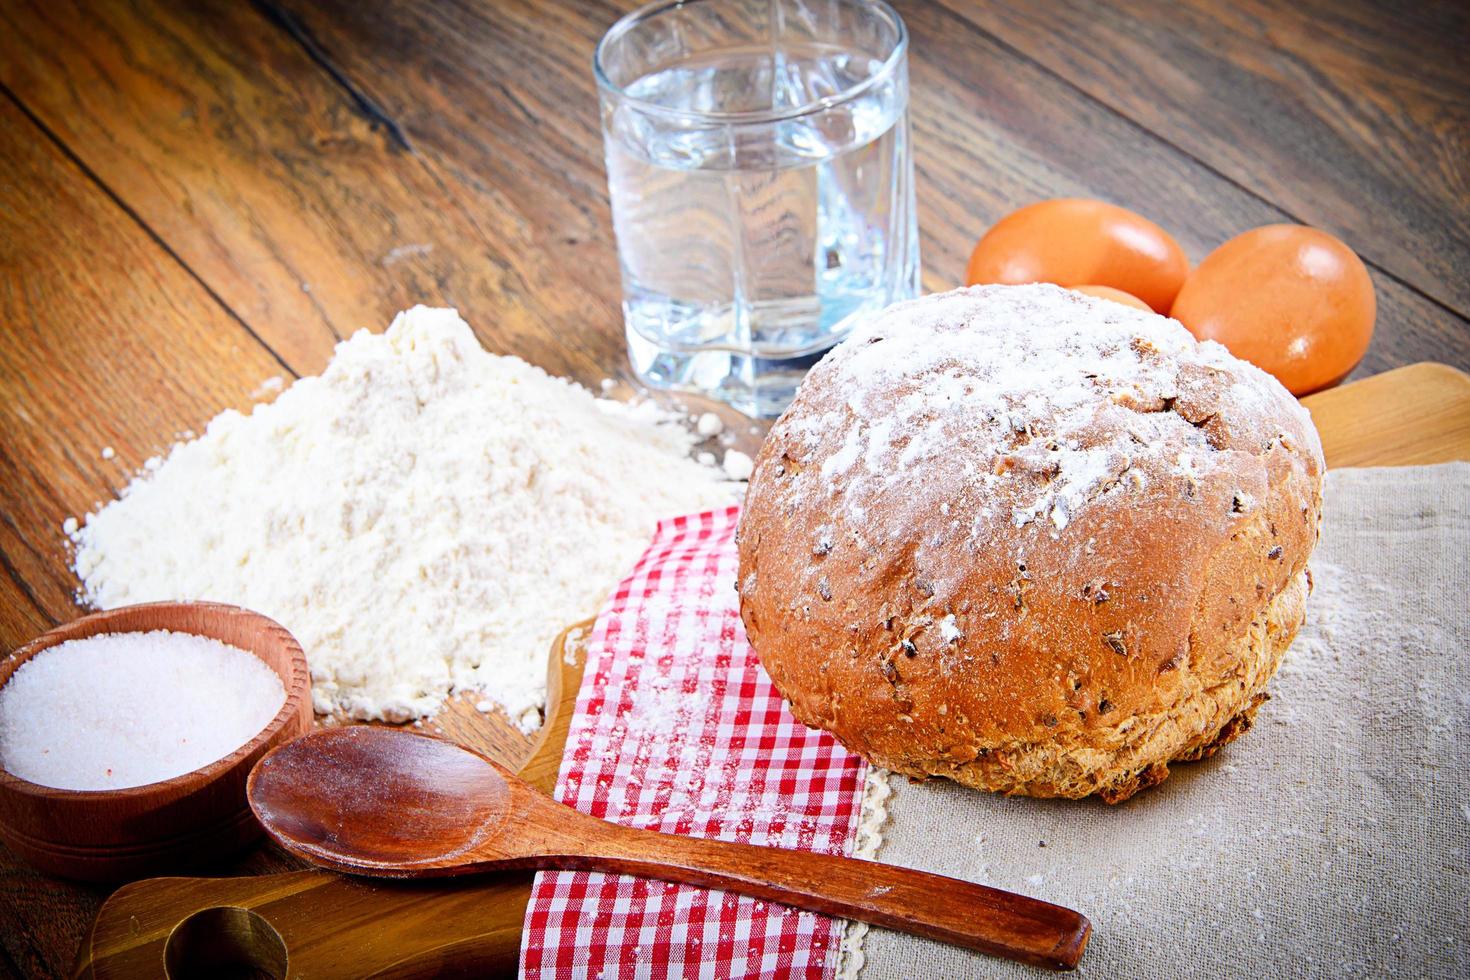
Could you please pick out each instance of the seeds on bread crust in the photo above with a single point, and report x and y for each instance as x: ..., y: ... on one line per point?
x: 1084, y: 534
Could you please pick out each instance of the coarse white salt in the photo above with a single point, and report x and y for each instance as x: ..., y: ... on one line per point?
x: 124, y: 709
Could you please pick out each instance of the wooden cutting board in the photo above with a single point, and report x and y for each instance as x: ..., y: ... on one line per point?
x: 333, y: 926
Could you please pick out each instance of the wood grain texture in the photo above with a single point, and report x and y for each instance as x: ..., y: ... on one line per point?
x: 109, y: 342
x: 1412, y: 416
x: 308, y: 216
x: 500, y: 112
x: 1350, y: 115
x: 335, y: 926
x: 992, y: 131
x: 94, y: 312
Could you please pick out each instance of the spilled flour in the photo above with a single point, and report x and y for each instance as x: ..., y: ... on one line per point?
x: 425, y: 517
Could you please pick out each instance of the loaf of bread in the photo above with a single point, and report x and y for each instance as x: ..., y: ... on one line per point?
x: 1032, y: 541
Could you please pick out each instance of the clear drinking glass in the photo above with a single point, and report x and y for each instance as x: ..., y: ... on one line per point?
x: 762, y: 186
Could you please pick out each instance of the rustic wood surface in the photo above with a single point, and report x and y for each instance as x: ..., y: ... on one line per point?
x: 195, y: 197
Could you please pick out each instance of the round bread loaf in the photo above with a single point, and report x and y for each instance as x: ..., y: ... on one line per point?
x: 1031, y: 541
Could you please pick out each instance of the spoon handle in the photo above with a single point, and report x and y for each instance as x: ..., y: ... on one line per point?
x: 974, y: 916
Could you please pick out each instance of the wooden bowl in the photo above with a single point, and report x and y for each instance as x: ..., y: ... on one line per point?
x: 116, y: 834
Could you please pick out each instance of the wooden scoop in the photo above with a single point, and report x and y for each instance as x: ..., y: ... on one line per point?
x: 377, y: 801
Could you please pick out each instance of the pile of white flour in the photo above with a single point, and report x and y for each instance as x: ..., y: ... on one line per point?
x: 425, y: 517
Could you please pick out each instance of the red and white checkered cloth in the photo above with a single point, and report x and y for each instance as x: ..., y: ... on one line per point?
x: 678, y: 729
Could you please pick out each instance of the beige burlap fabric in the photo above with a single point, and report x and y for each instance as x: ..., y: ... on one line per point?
x: 1331, y: 840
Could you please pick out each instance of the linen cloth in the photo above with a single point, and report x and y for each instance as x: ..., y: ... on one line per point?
x: 678, y: 729
x: 1331, y: 840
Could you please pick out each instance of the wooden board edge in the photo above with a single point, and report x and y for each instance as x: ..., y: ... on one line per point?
x: 563, y: 683
x: 1414, y: 415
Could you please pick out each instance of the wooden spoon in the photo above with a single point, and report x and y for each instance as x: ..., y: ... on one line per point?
x: 377, y: 801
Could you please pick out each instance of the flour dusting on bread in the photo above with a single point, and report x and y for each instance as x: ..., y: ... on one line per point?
x: 1039, y: 370
x: 1030, y: 540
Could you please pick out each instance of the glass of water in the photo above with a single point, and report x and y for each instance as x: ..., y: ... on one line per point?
x: 762, y: 186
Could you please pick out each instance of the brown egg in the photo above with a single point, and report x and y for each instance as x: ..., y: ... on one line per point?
x: 1290, y: 299
x: 1116, y: 295
x: 1077, y: 242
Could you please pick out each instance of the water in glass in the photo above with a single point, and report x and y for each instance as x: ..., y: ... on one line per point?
x: 753, y: 238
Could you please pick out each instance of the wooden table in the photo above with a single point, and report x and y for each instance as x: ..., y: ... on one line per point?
x: 197, y: 197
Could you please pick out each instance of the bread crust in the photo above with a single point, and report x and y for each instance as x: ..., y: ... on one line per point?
x: 958, y: 604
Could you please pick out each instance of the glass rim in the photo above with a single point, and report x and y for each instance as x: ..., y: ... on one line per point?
x: 638, y: 15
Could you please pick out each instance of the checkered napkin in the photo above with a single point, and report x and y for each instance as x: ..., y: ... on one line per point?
x: 678, y: 729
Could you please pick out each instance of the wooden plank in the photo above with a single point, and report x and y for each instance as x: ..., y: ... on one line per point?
x: 1350, y: 115
x: 509, y: 137
x: 96, y: 314
x: 995, y: 131
x: 992, y: 131
x: 108, y: 342
x: 1411, y: 416
x: 309, y: 216
x: 153, y: 80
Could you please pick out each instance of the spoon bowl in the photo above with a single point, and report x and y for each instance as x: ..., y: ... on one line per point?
x: 369, y: 800
x: 388, y: 803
